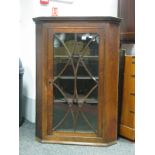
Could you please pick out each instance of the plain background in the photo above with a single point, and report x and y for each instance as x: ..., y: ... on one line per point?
x: 145, y: 77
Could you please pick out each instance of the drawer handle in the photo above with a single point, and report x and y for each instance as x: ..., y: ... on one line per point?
x: 132, y: 112
x: 133, y: 76
x: 133, y: 94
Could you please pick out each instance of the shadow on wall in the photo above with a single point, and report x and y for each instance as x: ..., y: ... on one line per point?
x: 28, y: 103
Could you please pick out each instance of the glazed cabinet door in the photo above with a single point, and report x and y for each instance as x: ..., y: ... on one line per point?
x: 75, y: 96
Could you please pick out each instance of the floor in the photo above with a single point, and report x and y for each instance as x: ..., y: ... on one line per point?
x: 29, y: 146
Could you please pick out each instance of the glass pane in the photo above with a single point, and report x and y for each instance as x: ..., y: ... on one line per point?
x: 75, y: 82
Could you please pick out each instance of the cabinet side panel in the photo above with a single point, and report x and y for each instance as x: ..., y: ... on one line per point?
x: 40, y: 81
x: 111, y: 82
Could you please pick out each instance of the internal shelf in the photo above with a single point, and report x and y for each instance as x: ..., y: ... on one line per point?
x: 79, y: 100
x: 78, y: 77
x: 75, y: 56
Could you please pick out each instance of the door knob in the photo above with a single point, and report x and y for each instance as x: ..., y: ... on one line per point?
x: 50, y: 81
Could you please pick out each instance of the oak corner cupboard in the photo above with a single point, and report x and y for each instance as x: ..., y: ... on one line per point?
x: 77, y: 80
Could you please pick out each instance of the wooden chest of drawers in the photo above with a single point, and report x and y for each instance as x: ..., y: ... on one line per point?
x: 127, y: 125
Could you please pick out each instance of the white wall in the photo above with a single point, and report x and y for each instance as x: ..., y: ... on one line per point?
x: 30, y: 9
x: 78, y: 8
x: 27, y: 55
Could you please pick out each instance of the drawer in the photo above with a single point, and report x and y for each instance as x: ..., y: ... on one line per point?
x: 133, y: 59
x: 131, y: 84
x: 131, y: 102
x: 129, y: 65
x: 132, y: 69
x: 131, y: 119
x: 129, y: 69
